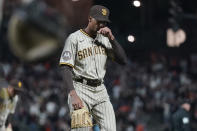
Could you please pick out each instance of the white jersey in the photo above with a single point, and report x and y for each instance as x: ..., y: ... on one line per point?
x: 87, y: 58
x: 7, y: 106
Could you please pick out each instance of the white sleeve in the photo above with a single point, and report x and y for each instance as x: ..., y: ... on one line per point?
x: 107, y: 43
x: 109, y: 46
x: 69, y: 52
x: 15, y: 101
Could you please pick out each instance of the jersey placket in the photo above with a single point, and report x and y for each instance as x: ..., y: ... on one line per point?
x: 94, y: 58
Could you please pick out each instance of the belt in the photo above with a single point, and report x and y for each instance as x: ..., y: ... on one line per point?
x: 90, y: 82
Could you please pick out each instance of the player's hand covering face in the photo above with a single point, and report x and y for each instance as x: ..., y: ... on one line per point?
x: 106, y: 32
x: 97, y: 25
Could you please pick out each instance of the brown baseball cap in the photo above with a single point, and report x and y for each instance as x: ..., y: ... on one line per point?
x: 100, y: 13
x: 17, y: 85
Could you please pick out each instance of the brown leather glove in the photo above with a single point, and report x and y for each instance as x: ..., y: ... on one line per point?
x: 81, y: 118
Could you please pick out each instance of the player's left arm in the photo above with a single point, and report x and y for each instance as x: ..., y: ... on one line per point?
x: 118, y: 52
x: 9, y: 121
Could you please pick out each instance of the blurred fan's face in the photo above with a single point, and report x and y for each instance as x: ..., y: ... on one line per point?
x: 186, y: 106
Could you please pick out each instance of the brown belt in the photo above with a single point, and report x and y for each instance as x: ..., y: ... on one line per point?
x: 90, y: 82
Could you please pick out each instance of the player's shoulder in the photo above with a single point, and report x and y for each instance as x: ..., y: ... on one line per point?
x: 72, y: 37
x: 75, y: 34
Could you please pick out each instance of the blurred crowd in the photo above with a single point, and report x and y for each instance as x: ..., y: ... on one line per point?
x: 147, y: 93
x: 144, y: 94
x: 43, y: 107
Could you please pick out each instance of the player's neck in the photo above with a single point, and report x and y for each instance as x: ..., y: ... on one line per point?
x: 90, y: 32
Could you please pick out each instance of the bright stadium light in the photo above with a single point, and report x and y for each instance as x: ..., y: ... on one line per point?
x: 131, y: 38
x: 136, y: 3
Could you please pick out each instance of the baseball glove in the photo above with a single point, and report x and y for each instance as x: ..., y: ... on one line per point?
x: 81, y: 118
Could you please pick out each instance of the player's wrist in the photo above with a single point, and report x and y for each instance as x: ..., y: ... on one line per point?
x: 112, y: 38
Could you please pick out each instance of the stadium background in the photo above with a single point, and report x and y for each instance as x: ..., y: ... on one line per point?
x: 144, y: 94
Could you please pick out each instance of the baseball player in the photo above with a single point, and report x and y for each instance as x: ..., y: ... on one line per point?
x: 8, y: 99
x: 83, y: 63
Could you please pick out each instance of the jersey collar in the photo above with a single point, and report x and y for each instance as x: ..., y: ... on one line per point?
x: 82, y: 31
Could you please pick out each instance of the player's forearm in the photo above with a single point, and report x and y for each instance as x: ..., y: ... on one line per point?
x: 67, y: 79
x: 118, y: 52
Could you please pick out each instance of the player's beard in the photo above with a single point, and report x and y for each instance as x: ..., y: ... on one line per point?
x: 95, y: 30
